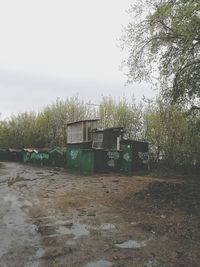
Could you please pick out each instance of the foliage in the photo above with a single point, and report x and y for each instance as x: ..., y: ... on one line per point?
x: 163, y: 41
x: 122, y: 113
x: 47, y: 128
x: 173, y: 134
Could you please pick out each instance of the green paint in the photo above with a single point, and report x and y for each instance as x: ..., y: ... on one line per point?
x: 33, y: 157
x: 87, y: 161
x: 74, y: 158
x: 127, y: 157
x: 56, y: 157
x: 99, y: 160
x: 112, y: 160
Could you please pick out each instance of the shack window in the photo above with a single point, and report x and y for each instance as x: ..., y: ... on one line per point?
x: 97, y: 140
x: 74, y: 133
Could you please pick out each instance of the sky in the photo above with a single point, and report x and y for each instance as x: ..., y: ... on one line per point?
x: 53, y: 49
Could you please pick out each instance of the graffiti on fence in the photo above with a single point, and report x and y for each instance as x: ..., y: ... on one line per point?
x: 144, y: 157
x: 112, y: 156
x: 127, y: 157
x: 74, y: 154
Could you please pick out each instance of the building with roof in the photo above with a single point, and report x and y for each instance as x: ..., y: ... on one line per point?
x: 80, y: 131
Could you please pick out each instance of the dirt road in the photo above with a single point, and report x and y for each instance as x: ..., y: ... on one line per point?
x: 52, y: 217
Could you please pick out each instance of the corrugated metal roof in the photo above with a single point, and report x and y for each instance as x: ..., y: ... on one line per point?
x: 114, y: 129
x: 70, y: 123
x: 96, y: 130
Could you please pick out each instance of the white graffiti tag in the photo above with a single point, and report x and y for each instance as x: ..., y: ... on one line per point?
x: 74, y: 154
x: 113, y: 155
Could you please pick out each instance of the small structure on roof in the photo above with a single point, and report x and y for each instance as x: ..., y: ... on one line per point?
x: 80, y: 131
x: 108, y: 138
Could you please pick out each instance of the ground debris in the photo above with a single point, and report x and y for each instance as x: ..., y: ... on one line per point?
x: 153, y: 221
x: 185, y: 196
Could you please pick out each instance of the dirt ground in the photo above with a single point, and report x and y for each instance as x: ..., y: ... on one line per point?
x: 53, y: 217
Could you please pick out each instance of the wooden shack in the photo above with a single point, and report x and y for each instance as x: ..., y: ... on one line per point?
x: 80, y: 131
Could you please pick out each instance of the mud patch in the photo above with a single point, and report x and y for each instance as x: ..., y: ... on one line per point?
x: 150, y: 229
x: 77, y: 230
x: 64, y: 223
x: 46, y: 230
x: 70, y: 243
x: 53, y: 252
x: 40, y: 253
x: 107, y: 227
x: 101, y: 263
x: 104, y: 227
x: 183, y: 196
x: 26, y: 204
x: 18, y: 178
x: 152, y: 263
x: 131, y: 244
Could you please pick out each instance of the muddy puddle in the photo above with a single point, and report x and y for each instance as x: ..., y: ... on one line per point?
x: 16, y: 233
x: 131, y: 244
x: 101, y: 263
x: 106, y: 227
x: 77, y: 230
x: 152, y: 263
x: 40, y: 253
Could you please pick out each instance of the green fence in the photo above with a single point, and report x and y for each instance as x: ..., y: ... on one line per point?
x: 49, y: 157
x: 57, y: 157
x: 127, y: 157
x: 134, y: 155
x: 37, y: 157
x: 89, y: 160
x: 74, y: 158
x: 112, y: 160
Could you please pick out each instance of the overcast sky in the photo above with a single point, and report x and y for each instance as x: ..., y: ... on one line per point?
x: 57, y: 48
